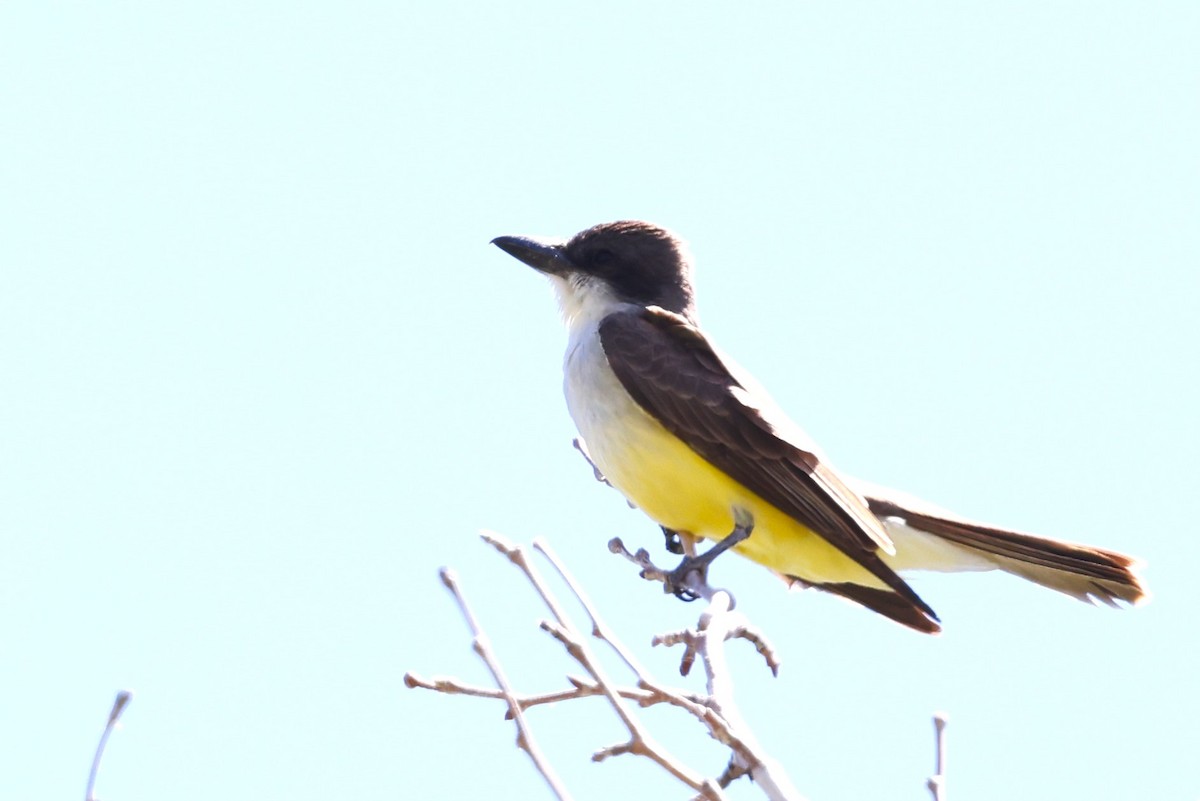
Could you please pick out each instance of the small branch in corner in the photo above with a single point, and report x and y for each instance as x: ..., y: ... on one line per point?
x: 122, y: 700
x: 937, y: 782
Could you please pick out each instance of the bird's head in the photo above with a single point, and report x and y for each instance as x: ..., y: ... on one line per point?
x: 612, y: 263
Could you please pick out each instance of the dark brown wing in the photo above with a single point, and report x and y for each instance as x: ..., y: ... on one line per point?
x: 672, y: 371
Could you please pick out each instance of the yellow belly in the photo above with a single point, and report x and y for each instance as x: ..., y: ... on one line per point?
x: 678, y: 489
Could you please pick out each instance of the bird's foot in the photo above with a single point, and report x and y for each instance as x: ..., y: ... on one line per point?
x: 689, y: 580
x: 674, y: 541
x: 679, y: 580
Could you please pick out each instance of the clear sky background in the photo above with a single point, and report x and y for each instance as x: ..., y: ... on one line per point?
x: 262, y: 375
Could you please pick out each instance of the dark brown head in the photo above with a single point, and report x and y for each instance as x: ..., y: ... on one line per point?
x: 636, y: 262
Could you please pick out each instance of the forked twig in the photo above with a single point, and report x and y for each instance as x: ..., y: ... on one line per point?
x: 482, y: 647
x: 580, y: 688
x: 715, y: 710
x: 640, y: 741
x: 718, y: 624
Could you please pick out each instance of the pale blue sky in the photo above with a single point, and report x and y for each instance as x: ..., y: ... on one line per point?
x: 263, y: 375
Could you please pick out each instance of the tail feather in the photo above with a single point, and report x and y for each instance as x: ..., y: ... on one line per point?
x: 889, y: 604
x: 1081, y: 571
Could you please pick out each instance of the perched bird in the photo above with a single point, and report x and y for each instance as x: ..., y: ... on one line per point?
x: 693, y: 441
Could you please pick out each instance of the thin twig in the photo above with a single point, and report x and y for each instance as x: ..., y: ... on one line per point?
x: 483, y: 649
x: 716, y: 710
x: 122, y: 700
x: 600, y: 629
x: 718, y: 623
x: 751, y: 634
x: 640, y: 741
x: 937, y: 782
x: 580, y: 689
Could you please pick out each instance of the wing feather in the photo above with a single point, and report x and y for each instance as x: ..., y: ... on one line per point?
x: 675, y: 374
x: 669, y: 367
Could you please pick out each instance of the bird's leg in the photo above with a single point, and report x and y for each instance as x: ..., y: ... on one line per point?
x: 676, y: 581
x: 679, y: 542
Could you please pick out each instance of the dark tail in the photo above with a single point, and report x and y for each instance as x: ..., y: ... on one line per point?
x: 1081, y: 571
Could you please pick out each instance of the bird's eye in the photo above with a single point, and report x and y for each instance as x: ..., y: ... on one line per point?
x: 603, y: 257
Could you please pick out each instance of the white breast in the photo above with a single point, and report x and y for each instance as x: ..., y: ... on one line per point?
x: 608, y: 420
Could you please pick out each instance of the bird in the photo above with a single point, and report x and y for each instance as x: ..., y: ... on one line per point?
x: 693, y: 441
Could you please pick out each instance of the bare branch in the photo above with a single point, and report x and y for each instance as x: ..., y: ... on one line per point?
x: 759, y: 640
x: 715, y: 710
x: 615, y: 750
x: 570, y: 637
x: 483, y: 649
x: 600, y: 629
x: 581, y: 689
x: 718, y: 624
x: 122, y: 700
x: 451, y: 686
x: 937, y: 782
x: 641, y: 558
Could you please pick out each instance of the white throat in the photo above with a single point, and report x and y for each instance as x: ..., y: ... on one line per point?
x: 584, y: 301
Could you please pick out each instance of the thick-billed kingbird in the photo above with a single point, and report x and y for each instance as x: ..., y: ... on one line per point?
x: 693, y: 441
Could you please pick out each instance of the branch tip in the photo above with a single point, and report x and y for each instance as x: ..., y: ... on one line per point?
x: 504, y: 545
x: 629, y: 747
x: 937, y: 782
x: 119, y: 703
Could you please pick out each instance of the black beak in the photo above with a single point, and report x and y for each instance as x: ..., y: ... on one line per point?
x: 542, y: 256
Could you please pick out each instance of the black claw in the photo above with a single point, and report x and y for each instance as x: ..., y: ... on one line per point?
x: 686, y: 595
x: 674, y: 543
